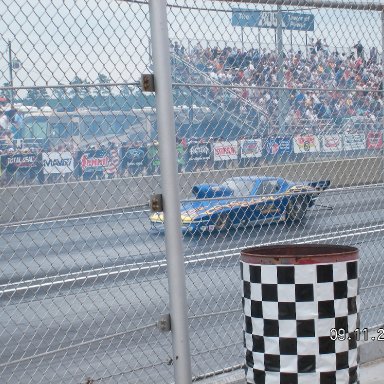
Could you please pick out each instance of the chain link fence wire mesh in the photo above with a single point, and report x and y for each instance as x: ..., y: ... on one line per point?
x: 272, y: 102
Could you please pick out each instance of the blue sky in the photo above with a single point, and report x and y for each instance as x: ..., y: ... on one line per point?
x: 55, y: 40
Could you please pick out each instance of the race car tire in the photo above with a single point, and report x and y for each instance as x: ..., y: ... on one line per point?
x: 297, y: 208
x: 222, y: 222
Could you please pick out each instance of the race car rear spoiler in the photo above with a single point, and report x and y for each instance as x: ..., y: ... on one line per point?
x: 319, y: 185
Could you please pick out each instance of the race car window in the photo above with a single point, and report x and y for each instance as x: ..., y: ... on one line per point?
x: 239, y: 186
x: 268, y: 187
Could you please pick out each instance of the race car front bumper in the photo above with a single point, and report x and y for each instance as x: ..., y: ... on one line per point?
x: 186, y: 227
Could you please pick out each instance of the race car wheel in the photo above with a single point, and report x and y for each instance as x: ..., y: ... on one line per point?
x: 297, y: 208
x: 222, y: 222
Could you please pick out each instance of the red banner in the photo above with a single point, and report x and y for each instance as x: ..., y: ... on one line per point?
x: 374, y: 140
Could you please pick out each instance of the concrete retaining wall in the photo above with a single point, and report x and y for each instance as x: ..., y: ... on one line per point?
x: 39, y: 202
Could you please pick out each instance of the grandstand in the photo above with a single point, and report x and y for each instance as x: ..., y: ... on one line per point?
x: 322, y: 86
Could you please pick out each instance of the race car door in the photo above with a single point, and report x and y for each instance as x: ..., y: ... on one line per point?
x: 271, y: 208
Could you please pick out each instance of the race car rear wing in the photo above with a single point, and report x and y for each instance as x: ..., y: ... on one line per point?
x: 319, y: 185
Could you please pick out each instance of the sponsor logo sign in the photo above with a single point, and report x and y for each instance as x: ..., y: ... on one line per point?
x: 268, y: 19
x: 134, y: 156
x: 199, y: 151
x: 331, y: 143
x: 306, y: 144
x: 94, y: 161
x: 354, y: 141
x: 251, y: 148
x: 225, y: 150
x: 278, y: 145
x: 57, y: 163
x: 22, y: 160
x: 374, y: 140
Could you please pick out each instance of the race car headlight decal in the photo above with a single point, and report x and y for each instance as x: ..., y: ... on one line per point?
x: 157, y: 217
x: 186, y: 219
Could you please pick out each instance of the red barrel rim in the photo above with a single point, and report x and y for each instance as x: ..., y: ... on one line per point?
x: 299, y: 254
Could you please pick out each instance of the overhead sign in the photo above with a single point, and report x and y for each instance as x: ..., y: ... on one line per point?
x: 267, y: 19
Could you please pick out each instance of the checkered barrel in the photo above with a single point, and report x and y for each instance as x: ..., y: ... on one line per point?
x: 300, y: 306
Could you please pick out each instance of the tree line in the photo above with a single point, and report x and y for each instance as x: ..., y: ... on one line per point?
x: 81, y: 93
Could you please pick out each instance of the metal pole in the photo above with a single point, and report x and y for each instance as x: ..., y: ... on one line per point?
x: 337, y: 4
x: 382, y: 82
x: 382, y: 44
x: 10, y: 70
x: 170, y: 189
x: 280, y: 70
x: 191, y: 109
x: 242, y: 39
x: 150, y: 49
x: 190, y: 104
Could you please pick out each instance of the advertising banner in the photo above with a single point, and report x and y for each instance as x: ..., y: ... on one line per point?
x: 57, y: 163
x: 225, y: 150
x: 278, y: 145
x: 114, y: 161
x: 331, y: 143
x: 292, y: 21
x: 93, y: 161
x: 251, y: 148
x: 199, y: 151
x: 354, y: 141
x: 24, y: 160
x: 374, y: 140
x: 133, y: 156
x: 306, y: 144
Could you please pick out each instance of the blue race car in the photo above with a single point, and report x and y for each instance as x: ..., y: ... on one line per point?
x: 245, y: 201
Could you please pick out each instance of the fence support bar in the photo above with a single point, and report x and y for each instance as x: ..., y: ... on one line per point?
x: 170, y: 190
x: 382, y: 77
x: 338, y: 4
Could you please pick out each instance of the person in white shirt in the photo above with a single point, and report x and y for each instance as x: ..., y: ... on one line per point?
x: 6, y: 119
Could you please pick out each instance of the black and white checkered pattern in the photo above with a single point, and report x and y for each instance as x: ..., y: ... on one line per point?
x: 289, y: 312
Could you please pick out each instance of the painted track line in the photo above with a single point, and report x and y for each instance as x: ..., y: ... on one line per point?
x: 107, y: 272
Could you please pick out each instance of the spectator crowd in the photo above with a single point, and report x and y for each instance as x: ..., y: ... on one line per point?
x: 321, y: 83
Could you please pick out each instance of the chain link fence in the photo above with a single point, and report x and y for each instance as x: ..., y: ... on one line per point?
x: 279, y: 139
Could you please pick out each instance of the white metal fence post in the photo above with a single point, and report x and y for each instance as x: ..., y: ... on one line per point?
x: 282, y: 102
x: 170, y: 189
x: 382, y: 82
x: 10, y: 64
x: 382, y: 44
